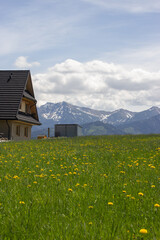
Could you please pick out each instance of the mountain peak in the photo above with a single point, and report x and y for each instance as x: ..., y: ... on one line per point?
x: 154, y: 108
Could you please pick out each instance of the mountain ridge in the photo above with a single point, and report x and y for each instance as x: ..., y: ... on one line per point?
x: 122, y: 119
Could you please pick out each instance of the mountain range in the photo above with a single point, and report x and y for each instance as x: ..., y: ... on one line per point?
x: 96, y: 122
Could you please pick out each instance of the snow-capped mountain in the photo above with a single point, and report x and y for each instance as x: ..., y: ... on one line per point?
x: 123, y: 120
x: 64, y: 112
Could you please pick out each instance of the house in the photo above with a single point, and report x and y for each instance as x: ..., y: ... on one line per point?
x: 68, y: 130
x: 18, y: 112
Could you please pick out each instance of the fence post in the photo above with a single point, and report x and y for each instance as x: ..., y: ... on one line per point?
x: 48, y: 132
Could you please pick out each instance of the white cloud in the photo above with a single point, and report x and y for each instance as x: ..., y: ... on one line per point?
x: 98, y: 84
x: 21, y: 62
x: 134, y: 6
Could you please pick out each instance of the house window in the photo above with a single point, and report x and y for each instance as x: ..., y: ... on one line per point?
x: 18, y: 130
x: 27, y: 110
x: 26, y: 131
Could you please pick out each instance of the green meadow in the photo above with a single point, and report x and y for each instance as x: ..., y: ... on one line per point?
x: 105, y: 187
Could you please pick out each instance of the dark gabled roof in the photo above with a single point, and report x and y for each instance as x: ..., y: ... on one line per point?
x: 12, y: 84
x: 12, y: 89
x: 29, y: 96
x: 27, y: 118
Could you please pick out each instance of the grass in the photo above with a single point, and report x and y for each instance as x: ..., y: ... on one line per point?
x: 81, y: 188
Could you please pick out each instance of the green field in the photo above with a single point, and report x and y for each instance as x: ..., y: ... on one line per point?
x: 81, y: 188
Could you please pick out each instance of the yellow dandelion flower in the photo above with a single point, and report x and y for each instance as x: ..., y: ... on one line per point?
x: 143, y: 231
x: 70, y: 189
x: 156, y: 205
x: 90, y: 207
x: 16, y: 177
x: 140, y: 194
x: 85, y: 185
x: 90, y: 223
x: 153, y: 167
x: 35, y: 182
x: 124, y: 191
x: 128, y: 195
x: 77, y: 184
x: 153, y: 186
x: 21, y: 202
x: 110, y: 203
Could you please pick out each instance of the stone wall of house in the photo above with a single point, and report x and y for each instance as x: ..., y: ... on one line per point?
x: 21, y: 134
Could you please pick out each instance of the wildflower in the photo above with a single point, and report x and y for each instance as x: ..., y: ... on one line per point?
x: 70, y: 189
x: 21, y: 202
x: 143, y: 231
x: 156, y: 205
x: 153, y: 167
x: 140, y: 194
x: 90, y: 207
x: 128, y: 195
x: 77, y: 184
x: 16, y: 177
x: 133, y: 198
x: 153, y: 186
x: 110, y: 203
x: 35, y: 182
x: 124, y: 191
x: 85, y: 185
x: 90, y: 223
x: 28, y: 186
x: 66, y: 174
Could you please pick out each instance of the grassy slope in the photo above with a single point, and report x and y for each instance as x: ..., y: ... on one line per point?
x: 60, y: 189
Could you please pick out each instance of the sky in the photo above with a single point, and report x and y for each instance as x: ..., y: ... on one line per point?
x: 95, y: 53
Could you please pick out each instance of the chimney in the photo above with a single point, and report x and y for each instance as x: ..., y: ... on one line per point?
x: 10, y: 77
